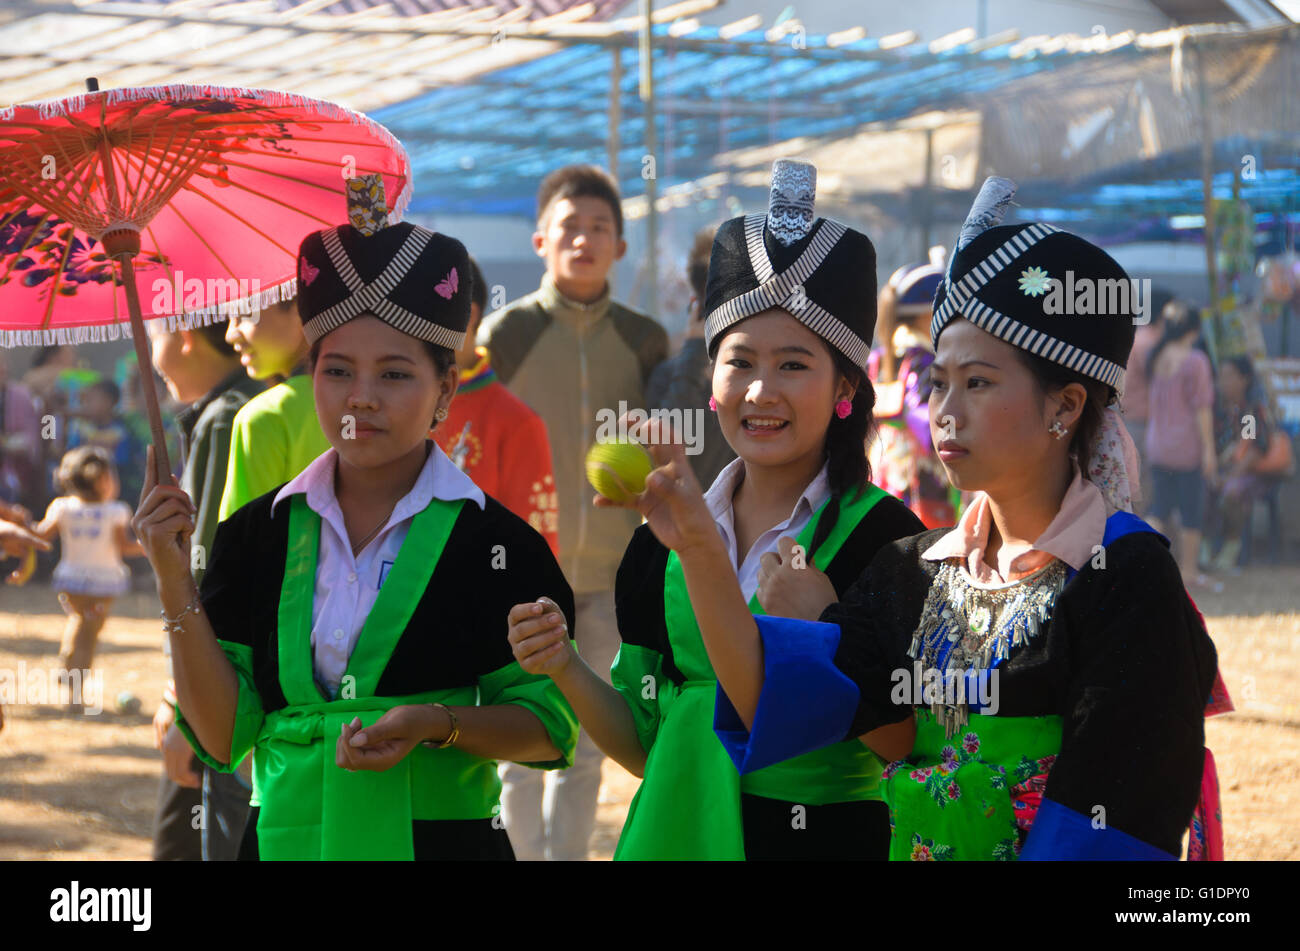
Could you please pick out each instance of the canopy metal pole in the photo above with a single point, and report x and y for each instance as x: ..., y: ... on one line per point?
x: 646, y: 55
x: 1207, y: 184
x: 927, y: 195
x: 612, y: 143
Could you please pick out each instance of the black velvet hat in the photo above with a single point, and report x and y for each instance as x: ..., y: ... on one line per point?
x: 1039, y: 288
x: 822, y: 272
x: 413, y: 279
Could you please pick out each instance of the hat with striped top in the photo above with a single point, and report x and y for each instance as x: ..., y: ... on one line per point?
x: 821, y: 272
x: 413, y: 279
x: 1039, y: 288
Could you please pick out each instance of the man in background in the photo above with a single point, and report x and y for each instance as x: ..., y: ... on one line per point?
x: 570, y: 352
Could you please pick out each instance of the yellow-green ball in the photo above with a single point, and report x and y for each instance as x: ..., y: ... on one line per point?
x: 617, y: 470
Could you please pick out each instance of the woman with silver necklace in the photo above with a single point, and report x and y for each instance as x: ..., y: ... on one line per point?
x: 1056, y: 669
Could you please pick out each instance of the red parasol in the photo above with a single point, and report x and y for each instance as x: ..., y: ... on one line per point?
x: 201, y: 195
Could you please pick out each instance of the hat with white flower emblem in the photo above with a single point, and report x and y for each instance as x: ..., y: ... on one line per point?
x: 1039, y: 288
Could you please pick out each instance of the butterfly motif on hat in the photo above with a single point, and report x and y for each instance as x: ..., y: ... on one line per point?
x: 399, y: 263
x: 448, y: 285
x: 306, y: 272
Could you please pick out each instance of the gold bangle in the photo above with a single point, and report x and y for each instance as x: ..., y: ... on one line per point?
x: 452, y: 736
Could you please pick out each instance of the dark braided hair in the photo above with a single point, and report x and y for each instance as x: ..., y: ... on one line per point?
x: 847, y: 467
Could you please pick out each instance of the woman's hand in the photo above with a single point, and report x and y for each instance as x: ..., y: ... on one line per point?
x: 16, y: 541
x: 178, y: 759
x: 387, y: 741
x: 164, y: 522
x: 790, y: 585
x: 163, y: 719
x: 673, y: 502
x: 16, y: 513
x: 539, y: 637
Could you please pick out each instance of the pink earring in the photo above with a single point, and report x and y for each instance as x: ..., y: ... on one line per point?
x: 713, y: 404
x: 843, y: 408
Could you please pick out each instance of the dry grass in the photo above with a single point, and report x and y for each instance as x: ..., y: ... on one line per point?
x: 84, y: 787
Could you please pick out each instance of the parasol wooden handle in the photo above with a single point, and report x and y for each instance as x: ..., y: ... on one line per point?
x: 162, y: 465
x: 123, y: 244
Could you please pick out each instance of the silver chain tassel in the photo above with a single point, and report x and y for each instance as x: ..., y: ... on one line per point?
x: 982, y: 625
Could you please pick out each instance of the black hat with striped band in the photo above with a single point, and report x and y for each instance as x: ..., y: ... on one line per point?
x: 1012, y: 281
x: 413, y: 279
x: 822, y: 272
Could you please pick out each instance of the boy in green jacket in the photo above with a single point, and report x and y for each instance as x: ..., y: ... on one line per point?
x: 276, y: 433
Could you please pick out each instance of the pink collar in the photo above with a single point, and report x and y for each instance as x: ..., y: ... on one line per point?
x: 1073, y: 534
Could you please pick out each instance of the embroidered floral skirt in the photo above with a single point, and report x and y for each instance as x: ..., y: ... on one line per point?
x: 972, y: 796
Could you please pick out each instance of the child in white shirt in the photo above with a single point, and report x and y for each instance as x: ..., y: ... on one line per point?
x: 91, y: 523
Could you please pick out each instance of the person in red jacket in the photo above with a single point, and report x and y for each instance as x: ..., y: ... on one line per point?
x: 495, y: 438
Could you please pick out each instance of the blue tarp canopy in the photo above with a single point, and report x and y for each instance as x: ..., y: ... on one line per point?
x: 1104, y: 126
x: 483, y: 146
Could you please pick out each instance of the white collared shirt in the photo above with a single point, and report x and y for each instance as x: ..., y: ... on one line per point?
x: 719, y: 501
x: 347, y: 586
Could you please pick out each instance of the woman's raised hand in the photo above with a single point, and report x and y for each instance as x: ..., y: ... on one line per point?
x: 673, y: 502
x: 164, y: 522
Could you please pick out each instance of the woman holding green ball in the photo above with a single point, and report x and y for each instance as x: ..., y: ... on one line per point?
x: 791, y: 305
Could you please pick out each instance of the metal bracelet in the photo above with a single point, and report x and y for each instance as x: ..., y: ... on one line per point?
x: 451, y: 737
x: 172, y: 625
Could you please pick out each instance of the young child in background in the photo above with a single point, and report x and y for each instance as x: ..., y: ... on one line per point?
x: 101, y: 424
x: 91, y: 524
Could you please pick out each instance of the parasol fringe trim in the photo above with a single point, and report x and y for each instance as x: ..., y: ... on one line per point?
x: 201, y: 317
x: 71, y: 105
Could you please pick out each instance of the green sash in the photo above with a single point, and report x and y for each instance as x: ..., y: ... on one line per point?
x: 951, y: 799
x: 688, y: 806
x: 311, y: 808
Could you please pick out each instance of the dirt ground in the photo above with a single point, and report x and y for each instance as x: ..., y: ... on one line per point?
x: 84, y: 787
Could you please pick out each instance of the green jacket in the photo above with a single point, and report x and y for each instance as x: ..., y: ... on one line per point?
x: 276, y: 436
x: 422, y: 642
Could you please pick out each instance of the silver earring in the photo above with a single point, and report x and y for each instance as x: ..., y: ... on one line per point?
x: 1056, y: 429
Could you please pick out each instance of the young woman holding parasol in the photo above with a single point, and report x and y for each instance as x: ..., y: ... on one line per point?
x: 332, y: 636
